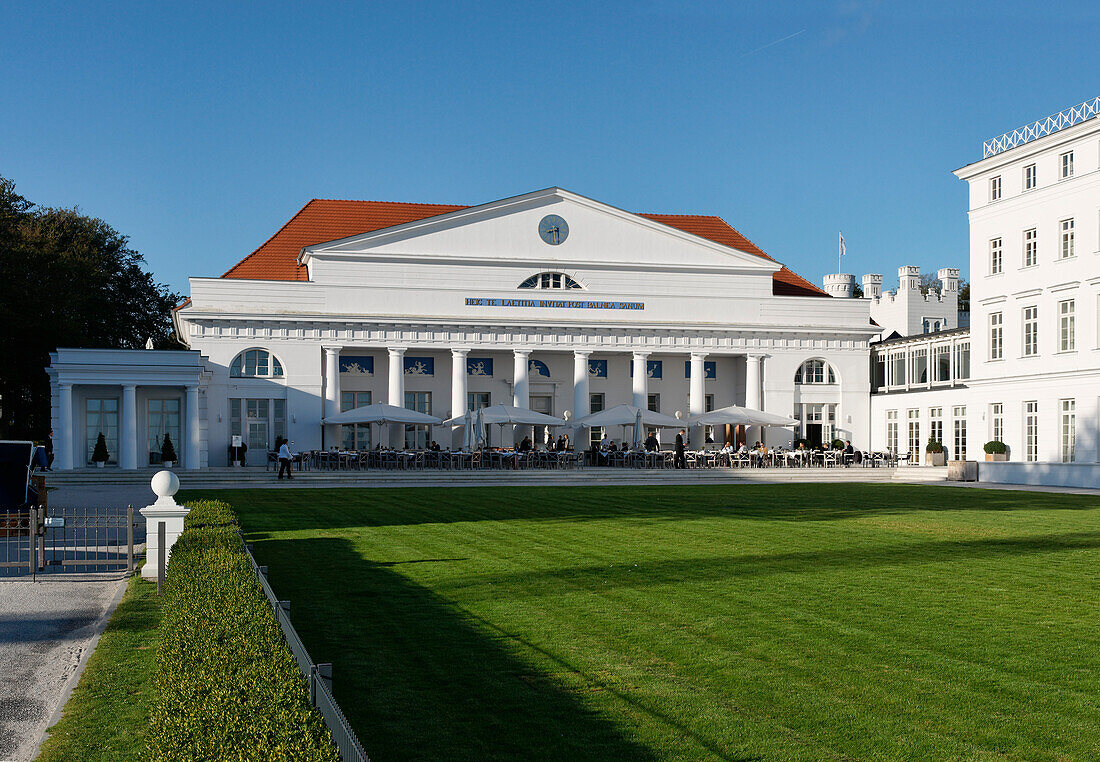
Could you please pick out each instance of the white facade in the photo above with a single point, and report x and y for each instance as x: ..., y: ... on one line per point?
x: 1035, y: 304
x: 907, y: 311
x: 428, y: 313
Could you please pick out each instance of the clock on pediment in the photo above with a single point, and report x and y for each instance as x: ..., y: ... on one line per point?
x: 553, y: 229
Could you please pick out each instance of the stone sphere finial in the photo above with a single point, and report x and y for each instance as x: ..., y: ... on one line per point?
x: 165, y: 484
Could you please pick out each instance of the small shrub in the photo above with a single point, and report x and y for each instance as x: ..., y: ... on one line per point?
x: 227, y: 685
x: 995, y: 447
x: 934, y: 445
x: 838, y: 444
x: 99, y: 453
x: 167, y: 451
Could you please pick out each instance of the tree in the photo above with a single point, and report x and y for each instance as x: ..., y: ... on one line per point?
x: 167, y: 451
x: 68, y: 280
x: 964, y: 295
x: 99, y: 453
x: 857, y: 291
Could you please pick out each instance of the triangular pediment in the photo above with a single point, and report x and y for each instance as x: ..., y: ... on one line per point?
x: 507, y: 231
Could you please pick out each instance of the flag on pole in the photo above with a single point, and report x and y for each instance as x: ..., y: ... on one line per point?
x: 842, y: 251
x: 840, y: 254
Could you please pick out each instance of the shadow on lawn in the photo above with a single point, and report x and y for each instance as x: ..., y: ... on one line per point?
x: 418, y: 680
x: 708, y: 569
x: 290, y: 509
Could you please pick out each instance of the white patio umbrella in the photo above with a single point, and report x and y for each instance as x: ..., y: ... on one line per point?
x: 468, y: 430
x: 628, y: 415
x: 637, y: 431
x: 508, y: 414
x: 735, y: 415
x: 383, y: 413
x: 479, y: 430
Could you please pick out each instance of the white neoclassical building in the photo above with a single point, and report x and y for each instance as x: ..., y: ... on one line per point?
x: 547, y: 300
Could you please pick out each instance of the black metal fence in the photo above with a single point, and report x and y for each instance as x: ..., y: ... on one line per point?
x: 67, y: 540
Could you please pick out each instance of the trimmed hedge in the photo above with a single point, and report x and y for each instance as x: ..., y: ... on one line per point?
x: 227, y: 685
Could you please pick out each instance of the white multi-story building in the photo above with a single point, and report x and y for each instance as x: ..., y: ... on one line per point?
x: 1034, y: 340
x: 547, y: 300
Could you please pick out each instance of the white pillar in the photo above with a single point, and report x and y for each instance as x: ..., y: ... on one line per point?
x: 752, y: 396
x: 128, y: 457
x: 581, y: 398
x: 458, y: 391
x: 63, y: 442
x: 194, y: 435
x: 640, y: 380
x: 396, y: 392
x: 521, y: 388
x: 697, y: 403
x: 331, y: 434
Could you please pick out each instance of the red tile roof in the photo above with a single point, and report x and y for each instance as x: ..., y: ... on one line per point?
x: 324, y: 220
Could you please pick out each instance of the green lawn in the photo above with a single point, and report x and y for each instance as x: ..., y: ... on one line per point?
x: 107, y: 717
x: 771, y: 622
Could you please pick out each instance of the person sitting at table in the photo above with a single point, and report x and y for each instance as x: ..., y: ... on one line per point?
x: 434, y: 446
x: 727, y: 449
x: 525, y: 444
x: 651, y: 443
x: 564, y: 446
x: 611, y: 446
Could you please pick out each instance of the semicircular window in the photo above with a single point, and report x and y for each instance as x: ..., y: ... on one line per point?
x: 558, y: 281
x: 255, y: 363
x: 815, y: 372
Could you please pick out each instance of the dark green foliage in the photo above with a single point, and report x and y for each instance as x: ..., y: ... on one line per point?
x: 934, y: 445
x: 100, y: 454
x: 227, y: 685
x: 167, y: 451
x: 995, y: 447
x: 838, y: 444
x: 209, y: 513
x: 69, y: 280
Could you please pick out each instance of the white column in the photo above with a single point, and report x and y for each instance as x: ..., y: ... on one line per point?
x: 697, y: 403
x: 458, y: 390
x: 332, y: 395
x: 194, y: 435
x: 521, y: 388
x: 640, y: 380
x: 752, y: 395
x: 581, y: 398
x: 128, y: 457
x: 63, y: 442
x: 396, y: 392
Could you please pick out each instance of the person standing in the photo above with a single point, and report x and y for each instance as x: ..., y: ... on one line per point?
x: 680, y: 461
x: 284, y: 460
x: 49, y: 451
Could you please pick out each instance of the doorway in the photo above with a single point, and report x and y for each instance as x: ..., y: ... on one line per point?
x: 541, y: 404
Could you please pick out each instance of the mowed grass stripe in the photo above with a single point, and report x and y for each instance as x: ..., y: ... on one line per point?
x: 771, y: 621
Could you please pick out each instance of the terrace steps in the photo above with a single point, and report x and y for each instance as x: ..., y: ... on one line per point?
x: 229, y: 478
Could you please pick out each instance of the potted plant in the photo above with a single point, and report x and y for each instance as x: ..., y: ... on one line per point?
x: 167, y: 452
x: 838, y: 444
x: 100, y: 454
x: 996, y: 450
x: 934, y: 452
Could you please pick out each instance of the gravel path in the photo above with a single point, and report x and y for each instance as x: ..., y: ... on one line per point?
x: 47, y: 629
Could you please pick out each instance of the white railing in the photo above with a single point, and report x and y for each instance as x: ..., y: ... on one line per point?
x: 1053, y: 123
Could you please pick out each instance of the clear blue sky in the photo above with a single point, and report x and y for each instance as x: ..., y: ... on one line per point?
x: 199, y: 128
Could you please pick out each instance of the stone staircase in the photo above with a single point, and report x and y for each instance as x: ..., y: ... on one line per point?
x: 232, y: 478
x: 920, y: 474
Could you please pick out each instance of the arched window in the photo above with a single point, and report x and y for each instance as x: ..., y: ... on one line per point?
x: 255, y: 363
x: 815, y: 372
x: 550, y: 281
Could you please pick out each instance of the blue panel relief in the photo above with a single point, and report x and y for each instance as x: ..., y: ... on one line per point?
x: 653, y: 368
x: 479, y: 366
x: 357, y: 365
x: 419, y: 366
x: 710, y: 369
x: 538, y: 368
x: 597, y: 368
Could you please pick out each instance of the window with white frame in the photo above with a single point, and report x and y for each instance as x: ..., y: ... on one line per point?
x: 355, y: 436
x: 1067, y: 326
x: 996, y: 257
x: 935, y: 424
x: 996, y: 336
x: 814, y: 372
x: 1031, y: 247
x: 962, y: 360
x: 1069, y: 430
x: 1067, y: 165
x: 595, y: 405
x: 913, y: 417
x: 1031, y: 331
x: 1067, y: 239
x: 995, y: 188
x: 959, y: 414
x: 892, y: 431
x: 897, y: 368
x: 942, y: 362
x: 255, y: 363
x: 551, y: 281
x: 418, y: 437
x: 918, y: 366
x: 997, y: 421
x: 1031, y: 430
x: 1030, y: 177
